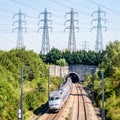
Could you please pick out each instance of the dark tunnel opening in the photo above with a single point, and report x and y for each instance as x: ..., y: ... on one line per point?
x: 74, y: 76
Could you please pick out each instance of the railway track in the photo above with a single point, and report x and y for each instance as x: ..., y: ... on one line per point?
x: 55, y: 116
x: 77, y: 107
x: 78, y: 102
x: 83, y: 103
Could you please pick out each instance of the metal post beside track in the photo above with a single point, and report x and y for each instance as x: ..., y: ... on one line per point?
x: 103, y: 117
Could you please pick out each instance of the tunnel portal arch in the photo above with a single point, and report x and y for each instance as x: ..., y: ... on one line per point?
x: 74, y: 76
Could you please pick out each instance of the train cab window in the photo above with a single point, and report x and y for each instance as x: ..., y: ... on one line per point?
x: 52, y: 98
x: 56, y: 98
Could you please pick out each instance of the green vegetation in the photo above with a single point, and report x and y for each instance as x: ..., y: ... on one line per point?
x: 35, y: 74
x: 111, y: 65
x: 61, y: 62
x: 79, y: 57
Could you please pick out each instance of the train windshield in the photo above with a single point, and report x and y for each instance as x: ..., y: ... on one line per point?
x: 51, y: 98
x: 54, y: 98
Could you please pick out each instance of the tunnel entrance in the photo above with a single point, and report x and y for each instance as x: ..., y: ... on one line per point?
x: 74, y: 76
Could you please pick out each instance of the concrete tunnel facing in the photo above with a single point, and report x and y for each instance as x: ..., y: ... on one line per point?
x: 74, y: 76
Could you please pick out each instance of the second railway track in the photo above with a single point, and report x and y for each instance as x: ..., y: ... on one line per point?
x: 79, y: 107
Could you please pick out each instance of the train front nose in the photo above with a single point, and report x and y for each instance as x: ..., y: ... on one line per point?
x: 54, y: 105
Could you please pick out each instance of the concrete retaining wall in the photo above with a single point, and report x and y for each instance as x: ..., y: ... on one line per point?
x: 80, y: 69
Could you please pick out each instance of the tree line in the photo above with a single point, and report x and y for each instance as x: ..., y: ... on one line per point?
x: 76, y: 57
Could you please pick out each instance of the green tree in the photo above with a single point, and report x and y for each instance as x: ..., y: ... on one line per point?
x: 111, y: 64
x: 35, y: 82
x: 53, y: 55
x: 61, y: 62
x: 67, y: 55
x: 112, y: 58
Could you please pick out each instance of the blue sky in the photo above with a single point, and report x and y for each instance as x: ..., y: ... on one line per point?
x: 58, y: 8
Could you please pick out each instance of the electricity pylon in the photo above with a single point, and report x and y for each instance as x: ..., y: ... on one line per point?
x: 20, y: 28
x: 45, y: 47
x: 86, y: 45
x: 99, y: 39
x: 71, y: 41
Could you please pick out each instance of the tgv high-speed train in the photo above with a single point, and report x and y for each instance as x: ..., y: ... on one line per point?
x: 58, y: 97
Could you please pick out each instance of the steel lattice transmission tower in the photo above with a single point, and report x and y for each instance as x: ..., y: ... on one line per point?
x: 86, y: 45
x: 99, y: 39
x: 20, y: 28
x: 45, y: 47
x: 72, y: 41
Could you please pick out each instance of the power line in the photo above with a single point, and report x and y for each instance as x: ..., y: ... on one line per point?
x: 66, y: 6
x: 20, y: 3
x: 115, y: 12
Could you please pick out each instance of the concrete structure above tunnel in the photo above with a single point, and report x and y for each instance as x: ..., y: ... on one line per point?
x: 79, y: 70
